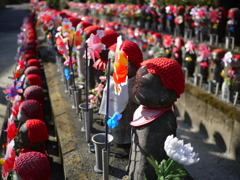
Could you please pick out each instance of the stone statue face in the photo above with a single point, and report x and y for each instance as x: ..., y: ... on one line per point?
x: 16, y: 176
x: 216, y: 56
x: 131, y: 68
x: 21, y: 139
x: 150, y: 92
x: 22, y: 117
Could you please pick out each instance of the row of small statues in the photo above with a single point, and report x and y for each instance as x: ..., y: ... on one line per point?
x: 27, y: 133
x: 145, y: 100
x: 203, y: 23
x: 213, y: 65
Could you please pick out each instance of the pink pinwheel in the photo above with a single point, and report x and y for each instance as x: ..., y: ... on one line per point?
x: 204, y: 64
x: 190, y: 46
x: 61, y: 46
x: 12, y: 91
x: 204, y: 51
x: 94, y: 46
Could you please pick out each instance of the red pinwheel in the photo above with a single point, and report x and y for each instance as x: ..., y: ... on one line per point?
x: 61, y: 46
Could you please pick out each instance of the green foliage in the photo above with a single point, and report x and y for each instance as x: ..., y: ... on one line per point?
x: 167, y: 169
x: 55, y: 4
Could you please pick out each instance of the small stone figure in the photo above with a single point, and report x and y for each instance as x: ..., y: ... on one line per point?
x: 170, y: 18
x: 124, y: 103
x: 203, y: 60
x: 34, y: 92
x: 199, y: 18
x: 34, y: 62
x: 179, y: 21
x: 177, y: 50
x: 31, y: 137
x: 218, y: 19
x: 233, y: 27
x: 30, y: 109
x: 234, y: 73
x: 190, y: 57
x: 189, y: 23
x: 32, y: 165
x: 163, y: 18
x: 154, y: 48
x: 167, y: 45
x: 33, y: 79
x: 159, y: 82
x: 109, y: 38
x: 32, y: 70
x: 217, y: 56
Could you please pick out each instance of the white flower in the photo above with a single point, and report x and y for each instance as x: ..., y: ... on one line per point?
x: 179, y: 152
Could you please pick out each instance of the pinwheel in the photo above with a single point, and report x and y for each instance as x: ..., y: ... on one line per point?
x: 120, y: 67
x: 12, y: 91
x: 95, y: 46
x: 61, y: 46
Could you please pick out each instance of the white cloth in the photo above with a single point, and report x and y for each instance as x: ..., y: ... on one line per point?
x: 117, y: 103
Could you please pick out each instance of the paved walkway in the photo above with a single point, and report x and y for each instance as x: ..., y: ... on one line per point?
x: 11, y: 19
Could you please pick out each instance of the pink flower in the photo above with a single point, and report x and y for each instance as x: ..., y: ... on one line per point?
x: 99, y: 88
x: 103, y: 78
x: 90, y: 96
x: 68, y: 63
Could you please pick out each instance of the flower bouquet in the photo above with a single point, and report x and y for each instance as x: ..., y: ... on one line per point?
x: 179, y: 155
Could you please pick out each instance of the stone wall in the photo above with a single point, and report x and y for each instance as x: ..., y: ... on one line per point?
x: 217, y: 121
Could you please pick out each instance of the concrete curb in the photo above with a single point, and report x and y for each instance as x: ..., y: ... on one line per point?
x: 77, y: 162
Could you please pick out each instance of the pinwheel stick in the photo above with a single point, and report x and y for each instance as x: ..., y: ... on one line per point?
x: 71, y: 65
x: 107, y: 106
x: 86, y: 80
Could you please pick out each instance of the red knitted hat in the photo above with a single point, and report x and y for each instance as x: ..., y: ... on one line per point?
x: 31, y: 51
x: 34, y: 79
x: 33, y: 166
x: 92, y: 29
x: 74, y: 21
x: 219, y: 51
x: 109, y: 38
x: 133, y: 52
x: 29, y: 56
x: 32, y: 70
x: 34, y: 92
x: 170, y: 73
x: 158, y: 35
x: 85, y: 24
x: 237, y: 57
x: 32, y: 109
x: 34, y: 62
x: 37, y: 130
